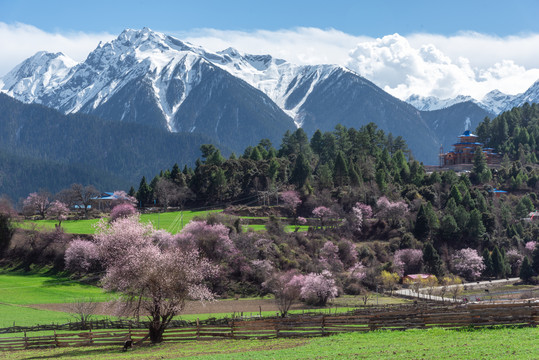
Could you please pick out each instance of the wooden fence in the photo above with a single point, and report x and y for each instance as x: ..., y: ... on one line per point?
x: 398, y: 318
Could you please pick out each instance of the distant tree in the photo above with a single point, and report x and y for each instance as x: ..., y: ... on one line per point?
x: 514, y: 260
x: 361, y: 212
x: 392, y: 211
x: 487, y: 261
x: 340, y: 170
x: 408, y: 261
x: 431, y: 261
x: 7, y: 214
x: 212, y: 240
x: 480, y: 171
x: 166, y: 192
x: 329, y: 257
x: 84, y: 195
x: 526, y: 270
x: 286, y: 288
x: 301, y: 171
x: 144, y: 193
x: 323, y: 213
x: 498, y: 263
x: 318, y: 289
x: 535, y: 259
x: 468, y: 263
x: 448, y: 228
x: 59, y: 211
x: 291, y: 200
x: 81, y: 256
x: 422, y: 228
x: 389, y: 280
x: 37, y: 203
x: 121, y: 211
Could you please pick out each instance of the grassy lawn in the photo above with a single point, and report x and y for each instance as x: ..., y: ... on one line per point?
x: 172, y: 222
x: 20, y: 289
x: 499, y: 343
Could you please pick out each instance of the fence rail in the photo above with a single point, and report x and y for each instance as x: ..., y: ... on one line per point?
x: 396, y: 318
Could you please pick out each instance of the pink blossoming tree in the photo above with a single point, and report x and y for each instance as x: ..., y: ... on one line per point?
x: 151, y: 277
x: 59, y: 211
x: 286, y: 287
x: 322, y: 213
x: 361, y: 212
x: 408, y: 261
x: 122, y: 210
x: 468, y: 263
x: 212, y: 240
x: 392, y: 211
x: 81, y: 256
x: 36, y: 203
x: 318, y: 289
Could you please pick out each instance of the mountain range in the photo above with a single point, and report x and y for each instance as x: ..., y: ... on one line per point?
x: 154, y: 79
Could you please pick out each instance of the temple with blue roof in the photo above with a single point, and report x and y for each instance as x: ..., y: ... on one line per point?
x: 464, y: 151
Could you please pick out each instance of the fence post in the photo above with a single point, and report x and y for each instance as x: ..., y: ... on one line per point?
x: 198, y: 329
x: 25, y: 341
x: 323, y: 324
x: 232, y: 328
x: 55, y: 339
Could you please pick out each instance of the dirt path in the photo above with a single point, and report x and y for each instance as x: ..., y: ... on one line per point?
x: 192, y: 307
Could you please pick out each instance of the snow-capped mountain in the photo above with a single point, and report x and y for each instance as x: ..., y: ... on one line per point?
x: 32, y: 78
x: 529, y: 96
x: 154, y: 79
x: 431, y: 103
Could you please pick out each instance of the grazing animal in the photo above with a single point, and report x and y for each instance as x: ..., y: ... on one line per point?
x: 128, y: 344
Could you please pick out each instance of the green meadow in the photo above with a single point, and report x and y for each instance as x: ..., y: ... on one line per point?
x: 172, y: 222
x: 497, y: 343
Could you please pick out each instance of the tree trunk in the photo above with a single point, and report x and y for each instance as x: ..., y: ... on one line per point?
x: 157, y: 329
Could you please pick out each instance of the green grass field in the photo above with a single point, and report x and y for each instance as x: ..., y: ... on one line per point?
x: 499, y: 343
x: 18, y: 290
x: 172, y: 222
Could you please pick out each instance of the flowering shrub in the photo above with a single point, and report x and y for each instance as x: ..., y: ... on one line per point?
x: 122, y: 210
x: 530, y: 246
x: 468, y: 263
x: 317, y: 289
x: 302, y: 220
x: 81, y: 255
x: 361, y: 212
x: 357, y: 272
x: 291, y: 199
x: 212, y: 240
x: 121, y: 197
x: 514, y: 258
x: 392, y: 211
x: 329, y: 257
x: 408, y: 261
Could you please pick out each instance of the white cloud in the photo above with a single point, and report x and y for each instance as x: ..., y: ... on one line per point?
x: 431, y: 65
x: 299, y: 45
x: 20, y: 41
x: 425, y: 64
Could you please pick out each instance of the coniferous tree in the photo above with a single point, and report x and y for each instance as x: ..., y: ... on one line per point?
x: 432, y: 261
x: 422, y: 228
x: 340, y: 171
x: 301, y: 171
x: 498, y: 263
x: 526, y: 270
x: 144, y: 192
x: 487, y: 260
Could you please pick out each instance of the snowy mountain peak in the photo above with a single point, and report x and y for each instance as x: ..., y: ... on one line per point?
x: 30, y: 79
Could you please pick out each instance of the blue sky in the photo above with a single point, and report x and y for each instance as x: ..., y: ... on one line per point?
x: 369, y: 18
x: 429, y: 48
